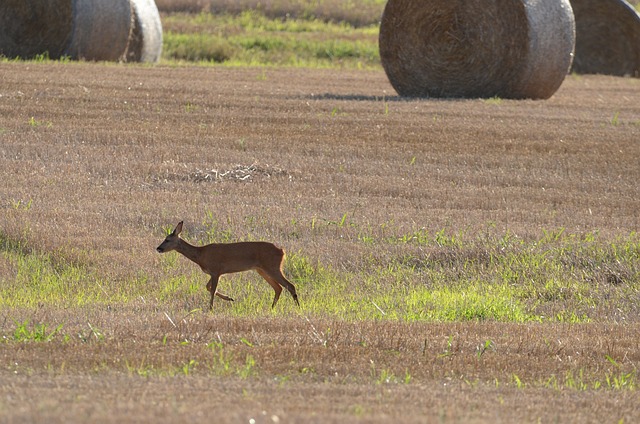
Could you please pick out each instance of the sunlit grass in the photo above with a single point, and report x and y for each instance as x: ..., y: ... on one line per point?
x: 252, y: 39
x: 558, y: 277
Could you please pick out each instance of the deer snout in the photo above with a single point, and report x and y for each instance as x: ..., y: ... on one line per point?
x: 160, y: 249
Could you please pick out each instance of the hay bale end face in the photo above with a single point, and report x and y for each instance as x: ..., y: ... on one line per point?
x: 607, y: 38
x: 101, y: 29
x: 505, y: 48
x: 33, y: 27
x: 145, y: 43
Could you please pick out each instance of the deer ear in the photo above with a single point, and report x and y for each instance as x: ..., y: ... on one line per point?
x: 178, y: 228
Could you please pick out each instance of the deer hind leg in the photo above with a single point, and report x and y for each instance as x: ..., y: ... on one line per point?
x: 272, y: 283
x: 277, y: 277
x: 280, y: 278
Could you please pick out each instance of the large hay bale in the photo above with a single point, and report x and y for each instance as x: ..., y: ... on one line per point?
x: 80, y: 29
x: 455, y: 48
x: 101, y: 29
x: 34, y: 27
x: 607, y: 38
x: 145, y: 44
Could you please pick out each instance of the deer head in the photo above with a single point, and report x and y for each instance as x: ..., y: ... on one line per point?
x: 171, y: 242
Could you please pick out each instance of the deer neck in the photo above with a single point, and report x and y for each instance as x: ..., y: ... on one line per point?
x: 190, y: 251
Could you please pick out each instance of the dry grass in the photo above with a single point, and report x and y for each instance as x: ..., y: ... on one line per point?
x: 141, y: 364
x: 357, y: 13
x: 98, y: 160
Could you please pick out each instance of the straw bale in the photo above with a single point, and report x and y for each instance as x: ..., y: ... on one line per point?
x: 101, y: 29
x: 145, y: 44
x: 32, y: 27
x: 454, y: 48
x: 607, y: 38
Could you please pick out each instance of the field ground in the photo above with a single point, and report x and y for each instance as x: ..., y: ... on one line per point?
x: 456, y: 260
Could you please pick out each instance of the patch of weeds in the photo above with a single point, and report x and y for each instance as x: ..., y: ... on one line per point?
x: 576, y: 382
x: 615, y: 120
x: 420, y: 237
x: 93, y: 333
x: 384, y: 376
x: 518, y: 382
x: 336, y: 111
x: 188, y: 367
x: 215, y: 232
x: 42, y: 278
x: 221, y: 359
x: 34, y: 333
x: 242, y: 144
x: 248, y: 369
x: 474, y: 302
x: 449, y: 350
x: 299, y: 267
x: 485, y: 347
x: 249, y: 38
x: 620, y: 379
x: 22, y: 205
x: 34, y: 123
x: 496, y: 101
x: 142, y: 370
x: 190, y: 107
x: 197, y: 47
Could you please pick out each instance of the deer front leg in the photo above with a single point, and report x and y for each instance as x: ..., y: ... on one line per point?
x: 222, y: 296
x: 211, y: 286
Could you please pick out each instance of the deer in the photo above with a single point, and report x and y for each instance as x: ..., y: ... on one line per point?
x: 216, y: 259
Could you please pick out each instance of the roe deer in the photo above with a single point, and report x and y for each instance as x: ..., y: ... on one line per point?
x: 224, y: 258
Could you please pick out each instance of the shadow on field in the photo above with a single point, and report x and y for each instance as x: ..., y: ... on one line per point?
x: 365, y: 98
x: 356, y: 97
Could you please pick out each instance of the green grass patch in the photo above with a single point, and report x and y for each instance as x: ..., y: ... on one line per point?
x: 38, y: 332
x: 252, y: 39
x: 41, y: 278
x: 556, y: 278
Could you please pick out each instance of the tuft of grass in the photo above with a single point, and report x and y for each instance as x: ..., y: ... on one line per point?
x: 24, y: 332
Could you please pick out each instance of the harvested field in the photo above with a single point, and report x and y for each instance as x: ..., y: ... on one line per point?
x: 99, y: 160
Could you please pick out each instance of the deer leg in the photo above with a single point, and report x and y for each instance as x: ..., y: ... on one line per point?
x: 224, y: 296
x: 219, y: 294
x: 275, y: 274
x: 211, y: 286
x: 272, y: 283
x: 280, y: 279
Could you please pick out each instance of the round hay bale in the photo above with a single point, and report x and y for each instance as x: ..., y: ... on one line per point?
x: 34, y: 27
x: 145, y: 44
x: 506, y: 48
x: 607, y: 38
x: 101, y: 29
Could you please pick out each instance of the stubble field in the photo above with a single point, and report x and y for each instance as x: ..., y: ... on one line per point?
x: 456, y: 260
